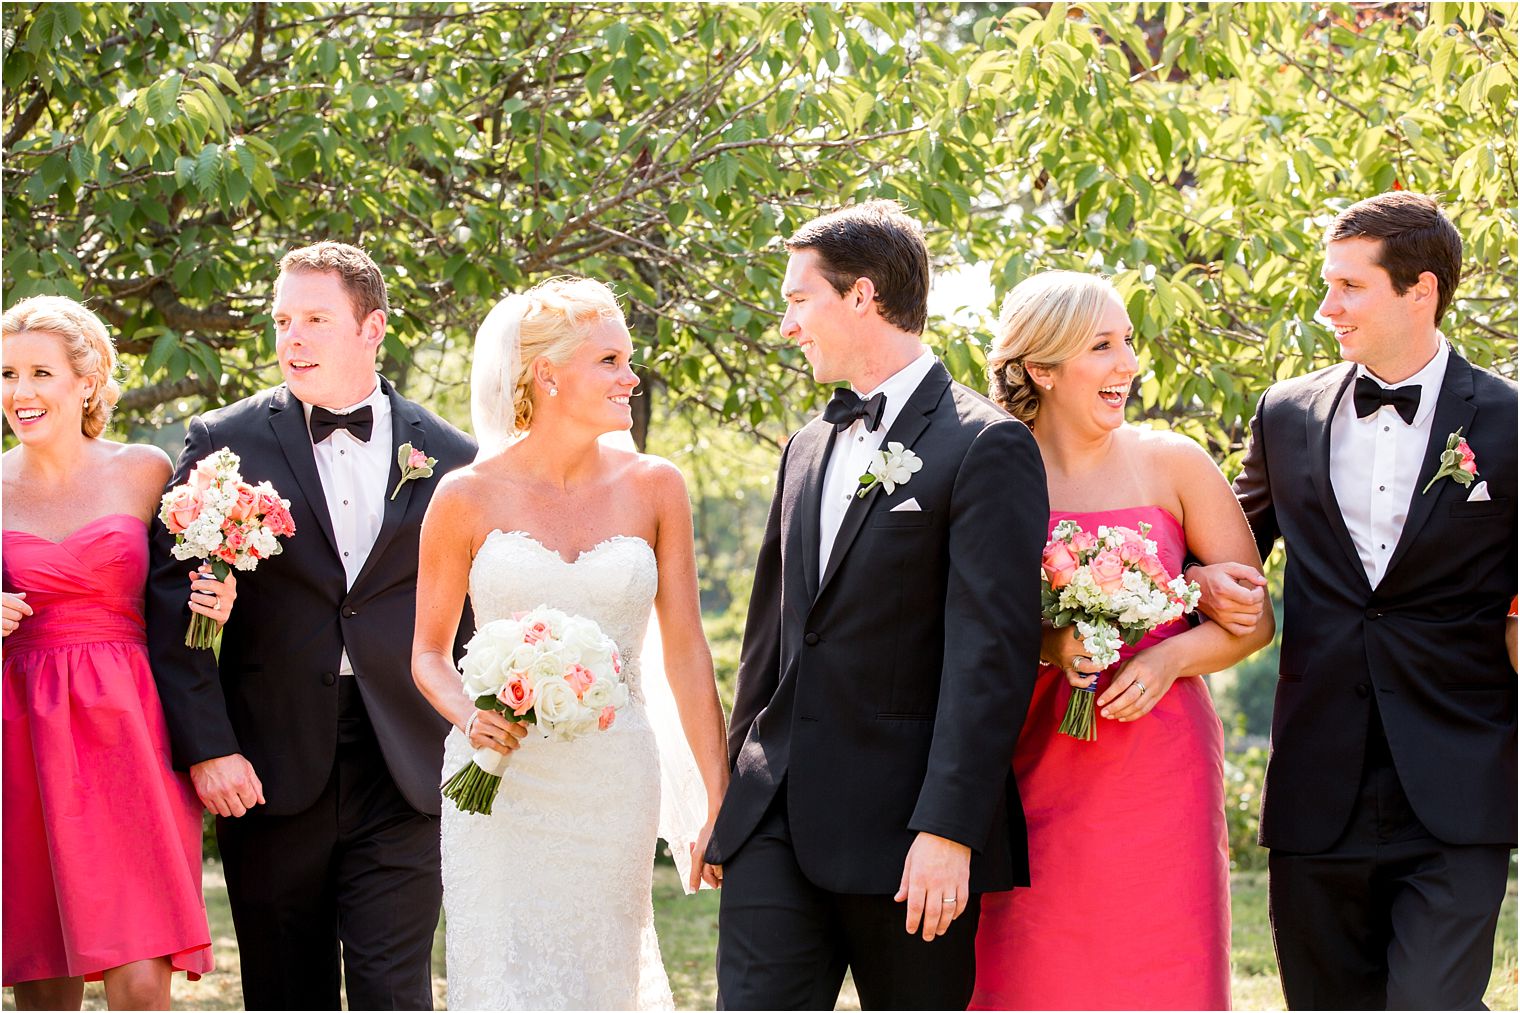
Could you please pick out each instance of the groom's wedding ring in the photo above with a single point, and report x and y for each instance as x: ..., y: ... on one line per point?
x: 1141, y: 685
x: 948, y: 900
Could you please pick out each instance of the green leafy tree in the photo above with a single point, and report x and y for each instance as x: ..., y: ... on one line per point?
x: 160, y: 157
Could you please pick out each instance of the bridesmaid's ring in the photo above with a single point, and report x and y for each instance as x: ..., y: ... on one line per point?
x: 947, y: 900
x: 1141, y: 685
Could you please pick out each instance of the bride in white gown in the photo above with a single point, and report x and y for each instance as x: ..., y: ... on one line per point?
x: 547, y: 900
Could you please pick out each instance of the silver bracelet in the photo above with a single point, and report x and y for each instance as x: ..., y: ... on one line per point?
x: 470, y: 724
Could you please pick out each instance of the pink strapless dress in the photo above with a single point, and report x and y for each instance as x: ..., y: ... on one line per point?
x: 1129, y: 905
x: 102, y: 858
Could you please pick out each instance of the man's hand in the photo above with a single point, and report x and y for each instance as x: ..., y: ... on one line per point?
x: 13, y: 608
x: 935, y: 884
x: 227, y: 785
x: 1233, y: 595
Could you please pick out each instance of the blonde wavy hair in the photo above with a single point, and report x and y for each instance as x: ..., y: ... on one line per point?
x: 1045, y: 320
x: 86, y: 342
x: 549, y: 321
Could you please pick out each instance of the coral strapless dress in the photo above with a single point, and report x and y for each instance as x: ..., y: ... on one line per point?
x: 1129, y: 905
x: 102, y: 858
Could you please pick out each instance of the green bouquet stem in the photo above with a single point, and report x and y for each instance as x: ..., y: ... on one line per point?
x: 472, y: 790
x: 1078, y: 722
x: 202, y: 633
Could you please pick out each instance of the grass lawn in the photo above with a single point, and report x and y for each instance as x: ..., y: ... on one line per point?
x: 688, y: 929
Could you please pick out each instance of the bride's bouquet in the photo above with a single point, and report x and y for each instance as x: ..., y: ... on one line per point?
x: 1113, y: 587
x: 557, y: 671
x: 218, y: 518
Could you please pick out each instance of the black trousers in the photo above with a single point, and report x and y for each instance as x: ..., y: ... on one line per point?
x: 356, y: 874
x: 784, y: 943
x: 1389, y: 917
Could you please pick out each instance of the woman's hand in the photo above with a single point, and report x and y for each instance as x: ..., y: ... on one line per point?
x: 489, y: 730
x: 212, y: 597
x: 1232, y: 594
x: 13, y: 608
x: 1137, y: 686
x: 1064, y: 649
x: 701, y: 872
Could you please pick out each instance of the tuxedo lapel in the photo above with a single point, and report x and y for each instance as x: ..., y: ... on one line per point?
x: 1454, y: 410
x: 812, y: 462
x: 910, y: 425
x: 406, y: 427
x: 1318, y: 420
x: 289, y: 423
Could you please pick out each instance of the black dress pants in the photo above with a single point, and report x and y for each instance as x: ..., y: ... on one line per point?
x: 1389, y: 917
x: 784, y: 943
x: 355, y: 875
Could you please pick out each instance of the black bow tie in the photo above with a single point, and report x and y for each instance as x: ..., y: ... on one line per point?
x: 359, y: 423
x: 846, y: 406
x: 1371, y: 395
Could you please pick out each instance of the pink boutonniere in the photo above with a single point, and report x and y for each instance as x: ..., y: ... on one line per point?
x: 414, y: 465
x: 1458, y: 463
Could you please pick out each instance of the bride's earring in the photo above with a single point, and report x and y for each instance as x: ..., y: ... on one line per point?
x: 554, y: 392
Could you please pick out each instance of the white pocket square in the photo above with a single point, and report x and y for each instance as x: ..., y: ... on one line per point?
x: 1479, y: 493
x: 907, y: 506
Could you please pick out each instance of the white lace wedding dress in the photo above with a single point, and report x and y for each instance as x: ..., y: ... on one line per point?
x: 547, y: 900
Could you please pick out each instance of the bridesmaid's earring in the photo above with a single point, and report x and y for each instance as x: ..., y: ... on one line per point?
x: 554, y: 392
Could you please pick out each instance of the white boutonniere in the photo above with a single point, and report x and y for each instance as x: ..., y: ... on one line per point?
x: 414, y: 465
x: 892, y: 466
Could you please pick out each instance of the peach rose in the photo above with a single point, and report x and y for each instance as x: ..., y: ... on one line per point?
x: 1107, y: 570
x: 183, y: 508
x: 204, y: 475
x: 517, y: 694
x: 580, y: 679
x: 246, y: 504
x: 279, y: 522
x: 536, y: 634
x: 1083, y: 541
x: 1151, y: 566
x: 606, y: 717
x: 1059, y: 564
x: 234, y: 535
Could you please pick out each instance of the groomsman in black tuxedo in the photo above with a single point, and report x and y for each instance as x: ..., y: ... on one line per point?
x: 307, y: 737
x: 889, y: 655
x: 1389, y: 805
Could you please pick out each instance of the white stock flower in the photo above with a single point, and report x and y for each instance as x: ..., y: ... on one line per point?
x: 1101, y: 641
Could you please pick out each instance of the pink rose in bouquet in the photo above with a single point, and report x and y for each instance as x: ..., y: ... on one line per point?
x: 1107, y: 569
x: 1059, y: 563
x: 218, y: 518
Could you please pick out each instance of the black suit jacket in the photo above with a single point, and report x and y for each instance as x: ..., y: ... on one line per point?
x: 889, y: 690
x: 274, y: 696
x: 1428, y: 641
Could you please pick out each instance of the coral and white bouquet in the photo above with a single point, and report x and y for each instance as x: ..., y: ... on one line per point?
x: 558, y: 671
x: 1113, y: 587
x: 217, y: 517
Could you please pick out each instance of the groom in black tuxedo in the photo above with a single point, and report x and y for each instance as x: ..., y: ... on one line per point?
x: 308, y: 737
x: 888, y: 659
x: 1389, y: 805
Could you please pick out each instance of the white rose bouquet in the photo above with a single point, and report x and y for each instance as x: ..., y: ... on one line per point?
x: 1114, y: 589
x: 217, y: 517
x: 557, y: 671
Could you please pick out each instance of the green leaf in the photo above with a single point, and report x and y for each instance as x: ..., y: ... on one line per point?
x: 208, y: 170
x: 163, y: 347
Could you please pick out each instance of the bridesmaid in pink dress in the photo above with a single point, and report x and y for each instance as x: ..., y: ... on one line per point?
x: 1129, y: 904
x: 102, y: 859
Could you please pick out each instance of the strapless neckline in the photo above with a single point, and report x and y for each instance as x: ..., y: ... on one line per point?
x: 584, y: 553
x: 77, y: 531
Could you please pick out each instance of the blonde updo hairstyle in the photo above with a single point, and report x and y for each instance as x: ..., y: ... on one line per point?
x: 560, y: 314
x: 88, y: 345
x: 1046, y: 319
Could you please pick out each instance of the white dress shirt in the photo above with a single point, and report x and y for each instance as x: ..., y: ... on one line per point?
x: 853, y: 448
x: 1375, y: 463
x: 353, y: 474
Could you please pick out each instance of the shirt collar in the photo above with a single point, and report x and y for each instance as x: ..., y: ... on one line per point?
x: 377, y: 400
x: 1428, y: 379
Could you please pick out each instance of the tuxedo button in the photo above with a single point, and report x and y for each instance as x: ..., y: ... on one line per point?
x: 350, y: 613
x: 328, y: 678
x: 1363, y: 690
x: 810, y: 639
x: 1373, y: 614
